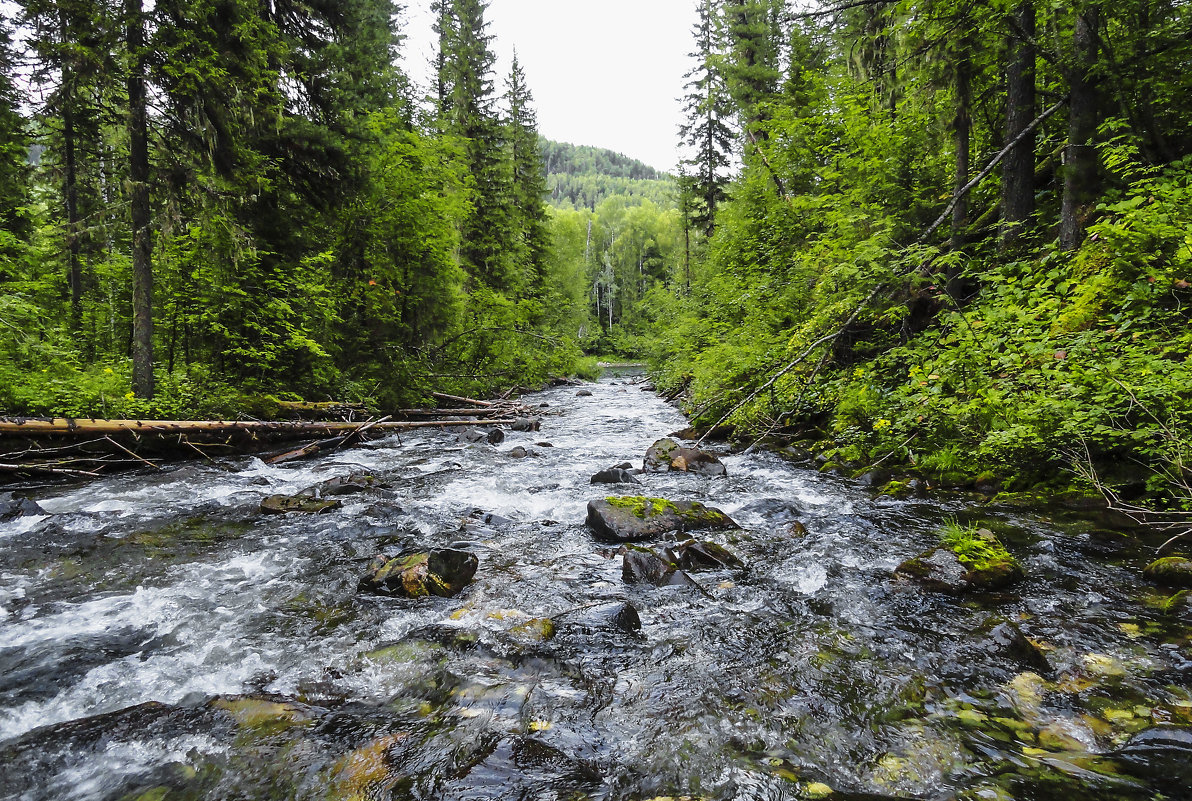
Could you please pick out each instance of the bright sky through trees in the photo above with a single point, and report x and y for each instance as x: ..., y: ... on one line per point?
x: 605, y: 74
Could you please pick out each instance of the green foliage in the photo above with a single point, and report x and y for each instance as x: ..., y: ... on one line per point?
x: 313, y: 234
x: 820, y: 310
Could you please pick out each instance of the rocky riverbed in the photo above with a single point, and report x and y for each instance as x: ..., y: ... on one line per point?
x: 449, y: 624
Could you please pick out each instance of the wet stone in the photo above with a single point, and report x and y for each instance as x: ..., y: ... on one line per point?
x: 526, y: 424
x: 11, y: 508
x: 441, y: 572
x: 584, y: 393
x: 1162, y: 754
x: 627, y: 519
x: 614, y: 475
x: 695, y: 556
x: 300, y: 504
x: 645, y: 566
x: 1009, y: 641
x: 1172, y: 571
x: 353, y: 484
x: 666, y: 455
x: 616, y: 616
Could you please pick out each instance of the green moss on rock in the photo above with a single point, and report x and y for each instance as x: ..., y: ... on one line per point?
x: 1171, y: 571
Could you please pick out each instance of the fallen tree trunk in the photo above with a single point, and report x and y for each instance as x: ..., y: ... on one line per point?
x: 72, y: 427
x: 77, y: 448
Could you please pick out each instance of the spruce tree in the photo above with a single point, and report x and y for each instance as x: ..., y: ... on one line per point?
x: 487, y: 236
x: 14, y: 146
x: 706, y: 132
x: 529, y: 180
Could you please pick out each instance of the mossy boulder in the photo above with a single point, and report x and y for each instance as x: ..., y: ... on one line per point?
x: 298, y: 504
x: 443, y: 573
x: 1171, y: 571
x: 967, y: 560
x: 667, y: 455
x: 632, y: 518
x: 352, y: 484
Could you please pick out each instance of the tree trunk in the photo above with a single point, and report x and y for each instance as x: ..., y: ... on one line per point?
x: 1080, y: 163
x: 962, y: 130
x: 1018, y: 174
x: 70, y: 164
x: 138, y: 174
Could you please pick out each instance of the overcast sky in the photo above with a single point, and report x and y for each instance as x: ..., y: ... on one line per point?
x: 606, y: 73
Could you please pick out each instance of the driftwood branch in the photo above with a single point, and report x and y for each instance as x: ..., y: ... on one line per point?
x: 981, y: 176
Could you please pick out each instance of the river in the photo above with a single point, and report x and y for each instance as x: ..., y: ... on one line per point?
x: 161, y: 639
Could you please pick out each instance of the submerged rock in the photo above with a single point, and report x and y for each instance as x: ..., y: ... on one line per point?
x: 1162, y: 754
x: 1009, y: 641
x: 620, y: 616
x: 302, y: 504
x: 632, y: 518
x: 966, y: 562
x: 1171, y: 571
x: 666, y: 455
x: 353, y: 484
x: 441, y: 572
x: 614, y: 475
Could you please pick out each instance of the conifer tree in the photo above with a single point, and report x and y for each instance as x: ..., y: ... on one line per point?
x: 752, y: 68
x: 14, y: 144
x: 529, y: 181
x: 487, y: 235
x: 706, y: 132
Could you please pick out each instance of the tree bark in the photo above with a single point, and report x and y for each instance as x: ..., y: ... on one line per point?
x: 70, y: 165
x: 1080, y: 164
x: 138, y: 174
x: 1018, y: 174
x: 962, y: 131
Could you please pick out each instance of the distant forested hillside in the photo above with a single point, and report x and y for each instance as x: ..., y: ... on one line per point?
x: 581, y: 177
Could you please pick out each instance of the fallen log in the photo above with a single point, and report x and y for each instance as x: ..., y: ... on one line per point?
x: 78, y: 448
x: 72, y: 427
x: 458, y: 399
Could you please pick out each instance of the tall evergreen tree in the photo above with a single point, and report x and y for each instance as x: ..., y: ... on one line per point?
x: 706, y: 132
x: 529, y: 181
x: 753, y: 65
x: 14, y: 147
x: 471, y: 115
x: 1018, y: 170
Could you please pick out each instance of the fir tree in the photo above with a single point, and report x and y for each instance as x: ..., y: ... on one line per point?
x: 529, y: 181
x: 706, y: 132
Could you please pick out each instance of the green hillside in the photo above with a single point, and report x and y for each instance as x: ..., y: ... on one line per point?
x: 580, y: 177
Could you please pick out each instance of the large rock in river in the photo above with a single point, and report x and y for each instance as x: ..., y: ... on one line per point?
x: 646, y: 566
x: 1172, y: 571
x: 614, y: 475
x: 626, y: 519
x: 666, y: 455
x: 1162, y: 754
x: 978, y: 562
x: 443, y: 573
